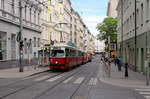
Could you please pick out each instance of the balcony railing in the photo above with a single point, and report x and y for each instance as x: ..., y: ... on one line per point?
x: 16, y: 20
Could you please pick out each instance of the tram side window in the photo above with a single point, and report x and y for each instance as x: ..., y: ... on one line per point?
x: 57, y: 53
x: 72, y: 52
x: 67, y: 52
x: 79, y: 53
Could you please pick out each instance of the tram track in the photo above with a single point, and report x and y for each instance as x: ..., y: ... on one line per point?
x: 31, y: 84
x: 27, y: 86
x: 55, y: 85
x: 23, y: 79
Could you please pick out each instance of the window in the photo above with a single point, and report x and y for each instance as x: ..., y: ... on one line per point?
x: 57, y: 53
x: 12, y: 7
x: 38, y: 42
x: 38, y: 18
x: 13, y: 46
x: 35, y: 17
x: 34, y: 41
x: 25, y: 12
x: 2, y: 4
x: 50, y: 17
x: 142, y: 13
x: 25, y: 45
x: 147, y: 9
x: 3, y: 45
x: 30, y: 41
x: 67, y: 52
x: 30, y: 14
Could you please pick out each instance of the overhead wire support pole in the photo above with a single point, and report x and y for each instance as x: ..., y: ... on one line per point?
x: 135, y: 50
x: 21, y: 41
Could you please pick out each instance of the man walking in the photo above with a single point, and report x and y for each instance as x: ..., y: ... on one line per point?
x: 119, y: 63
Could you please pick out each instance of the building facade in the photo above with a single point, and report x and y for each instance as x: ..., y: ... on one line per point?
x: 136, y: 45
x: 111, y: 10
x: 43, y: 22
x: 10, y: 27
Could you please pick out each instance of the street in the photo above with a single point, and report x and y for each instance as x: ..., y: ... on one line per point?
x: 79, y: 83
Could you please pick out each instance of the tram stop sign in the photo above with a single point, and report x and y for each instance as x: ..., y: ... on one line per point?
x: 113, y: 46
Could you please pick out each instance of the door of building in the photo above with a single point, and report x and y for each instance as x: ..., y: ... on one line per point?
x: 1, y: 56
x: 142, y: 60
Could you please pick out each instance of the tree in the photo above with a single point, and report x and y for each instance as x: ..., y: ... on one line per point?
x: 107, y: 28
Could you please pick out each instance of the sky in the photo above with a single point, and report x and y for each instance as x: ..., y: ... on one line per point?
x: 91, y: 11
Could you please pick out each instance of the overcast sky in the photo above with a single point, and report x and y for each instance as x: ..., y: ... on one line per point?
x: 91, y: 11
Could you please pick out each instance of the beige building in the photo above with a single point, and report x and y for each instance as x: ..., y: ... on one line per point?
x: 52, y: 14
x: 111, y: 10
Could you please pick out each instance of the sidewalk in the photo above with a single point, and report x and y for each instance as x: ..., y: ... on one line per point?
x: 135, y: 80
x: 28, y: 71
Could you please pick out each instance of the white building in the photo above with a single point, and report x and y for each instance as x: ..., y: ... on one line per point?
x: 99, y: 46
x: 143, y: 34
x: 10, y: 26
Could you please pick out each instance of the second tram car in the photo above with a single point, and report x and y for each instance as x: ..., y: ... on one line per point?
x: 64, y: 57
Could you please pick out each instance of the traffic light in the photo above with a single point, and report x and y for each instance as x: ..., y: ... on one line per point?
x: 21, y: 45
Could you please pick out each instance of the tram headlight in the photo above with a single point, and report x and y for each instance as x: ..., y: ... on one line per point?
x: 56, y: 62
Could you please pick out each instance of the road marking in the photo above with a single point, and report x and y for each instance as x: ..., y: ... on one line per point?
x: 145, y: 93
x: 93, y: 81
x: 147, y: 97
x: 67, y: 80
x: 55, y: 78
x: 142, y: 89
x: 79, y: 80
x: 42, y: 78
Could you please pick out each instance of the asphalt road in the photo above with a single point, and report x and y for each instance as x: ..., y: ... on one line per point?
x: 79, y: 83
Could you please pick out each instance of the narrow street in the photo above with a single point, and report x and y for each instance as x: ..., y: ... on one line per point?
x: 79, y: 83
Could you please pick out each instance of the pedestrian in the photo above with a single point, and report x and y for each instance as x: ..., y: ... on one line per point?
x: 126, y: 70
x: 119, y: 64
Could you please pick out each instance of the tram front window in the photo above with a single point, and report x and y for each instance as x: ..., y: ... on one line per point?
x: 57, y: 53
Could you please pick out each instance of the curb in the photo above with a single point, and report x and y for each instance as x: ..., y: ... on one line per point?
x: 38, y: 73
x: 120, y: 85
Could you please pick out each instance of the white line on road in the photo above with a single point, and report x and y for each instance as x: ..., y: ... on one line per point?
x: 147, y: 97
x: 67, y: 80
x: 42, y: 78
x: 55, y: 78
x: 79, y: 80
x: 142, y: 89
x: 93, y: 81
x: 145, y: 93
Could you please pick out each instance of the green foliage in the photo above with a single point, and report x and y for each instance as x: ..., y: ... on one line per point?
x: 107, y: 28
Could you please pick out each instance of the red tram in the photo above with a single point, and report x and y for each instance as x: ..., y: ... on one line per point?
x: 64, y: 57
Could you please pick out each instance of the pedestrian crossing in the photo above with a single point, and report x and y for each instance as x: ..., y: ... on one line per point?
x: 72, y: 79
x: 144, y: 91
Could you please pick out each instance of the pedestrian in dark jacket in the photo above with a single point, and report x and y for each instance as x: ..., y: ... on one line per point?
x: 126, y: 70
x: 119, y: 63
